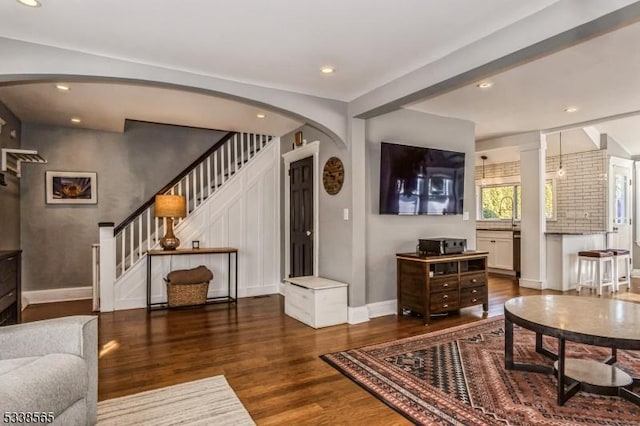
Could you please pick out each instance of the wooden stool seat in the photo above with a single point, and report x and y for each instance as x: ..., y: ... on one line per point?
x: 595, y: 253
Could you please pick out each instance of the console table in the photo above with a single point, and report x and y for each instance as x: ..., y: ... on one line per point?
x: 599, y: 322
x: 10, y: 293
x: 439, y: 284
x: 186, y: 252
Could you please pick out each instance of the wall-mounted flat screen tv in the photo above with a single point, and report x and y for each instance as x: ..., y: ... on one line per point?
x: 417, y: 180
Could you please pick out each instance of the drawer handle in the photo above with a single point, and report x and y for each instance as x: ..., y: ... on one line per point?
x: 445, y: 285
x: 474, y: 280
x: 445, y: 306
x: 474, y: 291
x: 474, y: 300
x: 446, y: 296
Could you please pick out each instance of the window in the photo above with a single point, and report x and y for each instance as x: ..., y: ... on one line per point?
x: 504, y: 201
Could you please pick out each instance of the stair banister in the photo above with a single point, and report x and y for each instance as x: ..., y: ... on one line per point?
x: 173, y: 183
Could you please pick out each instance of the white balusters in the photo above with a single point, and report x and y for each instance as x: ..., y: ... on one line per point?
x: 215, y: 169
x: 123, y: 252
x: 238, y: 150
x: 242, y: 148
x: 228, y: 160
x: 149, y: 229
x: 208, y: 176
x: 203, y: 195
x: 235, y: 152
x: 139, y: 236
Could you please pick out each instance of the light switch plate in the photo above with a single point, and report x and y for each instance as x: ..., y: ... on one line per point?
x: 345, y: 214
x: 465, y: 215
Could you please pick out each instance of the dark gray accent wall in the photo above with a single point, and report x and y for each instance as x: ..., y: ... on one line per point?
x: 131, y: 168
x: 390, y: 234
x: 10, y: 194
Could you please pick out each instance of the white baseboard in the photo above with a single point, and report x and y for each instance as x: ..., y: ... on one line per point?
x: 358, y: 315
x: 635, y: 273
x: 534, y: 284
x: 56, y: 295
x: 380, y: 309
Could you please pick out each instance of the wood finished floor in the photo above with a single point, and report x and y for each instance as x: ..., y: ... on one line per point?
x: 271, y: 361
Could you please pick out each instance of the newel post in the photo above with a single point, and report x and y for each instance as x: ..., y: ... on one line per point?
x: 107, y: 266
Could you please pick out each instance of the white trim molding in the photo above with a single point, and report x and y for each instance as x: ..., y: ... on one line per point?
x: 380, y: 309
x: 308, y: 150
x: 35, y: 297
x: 358, y: 314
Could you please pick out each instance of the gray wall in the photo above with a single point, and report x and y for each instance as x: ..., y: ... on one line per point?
x: 335, y: 232
x: 389, y: 234
x: 131, y: 167
x: 10, y: 194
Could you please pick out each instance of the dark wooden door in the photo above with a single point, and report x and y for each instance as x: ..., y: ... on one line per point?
x: 301, y: 216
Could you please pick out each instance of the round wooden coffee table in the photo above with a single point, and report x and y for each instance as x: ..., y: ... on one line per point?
x: 589, y: 320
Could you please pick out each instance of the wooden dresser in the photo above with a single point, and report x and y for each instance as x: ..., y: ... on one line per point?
x: 10, y: 306
x: 438, y: 284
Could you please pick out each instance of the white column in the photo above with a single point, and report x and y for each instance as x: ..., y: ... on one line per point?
x: 107, y: 266
x: 358, y: 311
x: 533, y: 223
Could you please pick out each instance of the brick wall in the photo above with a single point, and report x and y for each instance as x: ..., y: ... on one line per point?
x: 581, y: 204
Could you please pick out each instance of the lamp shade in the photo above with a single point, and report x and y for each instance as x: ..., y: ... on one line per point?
x: 171, y: 206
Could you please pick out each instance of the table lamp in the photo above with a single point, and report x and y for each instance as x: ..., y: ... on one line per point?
x: 170, y: 207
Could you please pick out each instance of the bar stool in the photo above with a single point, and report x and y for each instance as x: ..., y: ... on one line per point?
x: 624, y: 278
x: 591, y: 270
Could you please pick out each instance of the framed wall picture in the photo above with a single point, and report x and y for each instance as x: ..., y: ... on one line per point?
x: 71, y: 187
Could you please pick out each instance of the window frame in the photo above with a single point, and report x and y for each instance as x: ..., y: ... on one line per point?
x: 516, y: 183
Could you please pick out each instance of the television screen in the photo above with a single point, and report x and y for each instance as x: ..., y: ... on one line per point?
x: 416, y: 180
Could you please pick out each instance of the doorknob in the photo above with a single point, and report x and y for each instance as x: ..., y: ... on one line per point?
x: 309, y: 233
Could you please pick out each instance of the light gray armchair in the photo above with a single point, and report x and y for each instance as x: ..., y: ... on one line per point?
x: 51, y: 366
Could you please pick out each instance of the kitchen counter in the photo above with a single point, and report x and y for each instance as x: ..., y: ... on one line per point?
x: 562, y: 256
x: 577, y: 233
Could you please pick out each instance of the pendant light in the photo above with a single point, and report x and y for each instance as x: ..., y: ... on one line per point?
x: 484, y: 180
x: 560, y: 171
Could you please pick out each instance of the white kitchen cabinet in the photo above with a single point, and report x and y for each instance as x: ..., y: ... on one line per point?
x: 499, y: 244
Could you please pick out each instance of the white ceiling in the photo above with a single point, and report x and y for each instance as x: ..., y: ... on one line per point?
x: 276, y: 43
x: 103, y: 106
x: 283, y: 43
x: 600, y: 76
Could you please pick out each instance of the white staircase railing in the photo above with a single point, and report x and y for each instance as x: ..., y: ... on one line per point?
x: 142, y: 230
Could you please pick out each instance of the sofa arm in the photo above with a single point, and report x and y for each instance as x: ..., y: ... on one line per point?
x: 60, y: 335
x: 77, y: 335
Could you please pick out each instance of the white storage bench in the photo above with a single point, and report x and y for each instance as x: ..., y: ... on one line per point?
x: 317, y: 302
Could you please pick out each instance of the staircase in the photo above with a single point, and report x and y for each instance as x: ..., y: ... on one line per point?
x: 199, y: 183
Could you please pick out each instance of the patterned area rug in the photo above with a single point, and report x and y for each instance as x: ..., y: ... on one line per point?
x: 208, y: 401
x: 457, y: 377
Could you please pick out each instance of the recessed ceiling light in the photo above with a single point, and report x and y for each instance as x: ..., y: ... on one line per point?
x: 327, y: 70
x: 63, y: 87
x: 30, y: 3
x: 571, y: 109
x: 76, y: 120
x: 260, y: 116
x: 484, y: 85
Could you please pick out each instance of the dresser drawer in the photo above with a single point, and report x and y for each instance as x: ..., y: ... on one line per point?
x: 8, y: 275
x: 444, y: 301
x: 8, y: 300
x: 473, y: 296
x: 444, y: 284
x: 473, y: 280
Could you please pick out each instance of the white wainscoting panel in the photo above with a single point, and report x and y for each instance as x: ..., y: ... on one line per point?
x: 243, y: 214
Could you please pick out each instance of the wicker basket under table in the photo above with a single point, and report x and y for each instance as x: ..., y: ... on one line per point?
x: 187, y: 294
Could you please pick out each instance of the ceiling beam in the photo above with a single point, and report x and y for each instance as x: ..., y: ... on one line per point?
x: 538, y: 35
